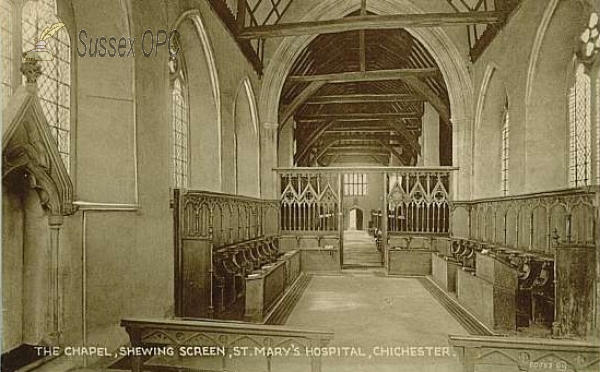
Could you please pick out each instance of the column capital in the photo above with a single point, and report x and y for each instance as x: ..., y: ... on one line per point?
x: 459, y: 120
x: 55, y: 220
x: 270, y: 126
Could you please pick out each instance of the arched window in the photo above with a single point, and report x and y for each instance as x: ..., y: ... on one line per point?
x: 54, y: 85
x: 580, y: 145
x: 6, y: 31
x: 580, y: 108
x: 180, y: 118
x: 505, y: 146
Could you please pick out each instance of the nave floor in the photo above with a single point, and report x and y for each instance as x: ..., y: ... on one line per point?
x: 364, y: 309
x: 360, y: 249
x: 368, y: 311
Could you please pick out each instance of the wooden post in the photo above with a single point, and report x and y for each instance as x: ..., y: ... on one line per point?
x: 341, y: 218
x: 241, y: 14
x: 135, y: 337
x: 384, y: 218
x: 54, y: 283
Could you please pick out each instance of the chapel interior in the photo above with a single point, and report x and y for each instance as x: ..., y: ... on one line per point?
x: 409, y: 185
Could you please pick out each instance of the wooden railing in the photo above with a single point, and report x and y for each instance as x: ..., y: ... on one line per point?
x: 225, y: 346
x: 418, y: 201
x: 530, y: 222
x: 204, y: 222
x: 310, y: 201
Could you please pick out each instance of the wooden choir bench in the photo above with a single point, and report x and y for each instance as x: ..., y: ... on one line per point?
x: 504, y: 288
x: 254, y: 272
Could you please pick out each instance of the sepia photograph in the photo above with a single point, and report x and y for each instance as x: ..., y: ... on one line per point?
x: 300, y: 185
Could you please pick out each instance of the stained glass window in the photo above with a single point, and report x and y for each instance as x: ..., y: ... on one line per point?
x: 6, y: 31
x: 355, y: 184
x: 505, y: 147
x: 580, y: 129
x: 54, y: 85
x: 180, y: 120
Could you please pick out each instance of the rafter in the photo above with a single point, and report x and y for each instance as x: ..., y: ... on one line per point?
x: 371, y: 22
x: 408, y: 136
x: 348, y: 120
x: 299, y: 100
x: 360, y: 116
x: 361, y: 76
x: 392, y: 150
x: 356, y: 150
x: 355, y: 136
x: 424, y: 90
x: 363, y: 98
x: 324, y: 149
x: 311, y: 141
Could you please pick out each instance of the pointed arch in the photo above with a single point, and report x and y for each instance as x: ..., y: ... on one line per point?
x: 246, y: 141
x: 202, y: 130
x: 489, y: 136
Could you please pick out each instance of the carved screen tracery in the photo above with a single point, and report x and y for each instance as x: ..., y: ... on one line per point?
x: 309, y: 202
x: 418, y: 201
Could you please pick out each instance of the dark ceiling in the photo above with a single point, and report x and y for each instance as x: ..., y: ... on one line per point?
x: 368, y: 121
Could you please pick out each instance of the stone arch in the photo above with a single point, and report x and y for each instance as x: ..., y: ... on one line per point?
x: 246, y: 141
x: 435, y: 39
x: 488, y: 131
x: 36, y: 193
x: 548, y: 75
x: 205, y: 102
x: 439, y: 44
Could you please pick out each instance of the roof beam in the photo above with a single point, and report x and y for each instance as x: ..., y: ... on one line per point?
x: 361, y: 76
x: 371, y: 22
x: 408, y: 136
x: 363, y: 98
x: 324, y: 149
x: 347, y: 120
x: 347, y: 151
x: 363, y: 136
x: 424, y: 90
x: 311, y: 141
x: 366, y: 116
x: 392, y: 150
x: 299, y: 100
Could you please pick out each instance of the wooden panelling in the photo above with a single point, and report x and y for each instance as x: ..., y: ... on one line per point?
x: 409, y: 262
x: 575, y: 268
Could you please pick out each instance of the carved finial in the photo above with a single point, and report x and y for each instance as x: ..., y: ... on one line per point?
x: 32, y: 70
x: 555, y: 236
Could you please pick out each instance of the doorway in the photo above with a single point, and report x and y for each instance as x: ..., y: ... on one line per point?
x: 355, y: 219
x: 362, y: 192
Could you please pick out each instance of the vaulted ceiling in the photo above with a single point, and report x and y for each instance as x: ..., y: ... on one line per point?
x: 359, y: 96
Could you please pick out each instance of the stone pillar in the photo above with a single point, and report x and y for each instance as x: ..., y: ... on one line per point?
x: 462, y: 157
x: 430, y: 143
x: 420, y: 160
x: 384, y: 218
x: 286, y: 145
x: 268, y: 156
x: 54, y: 285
